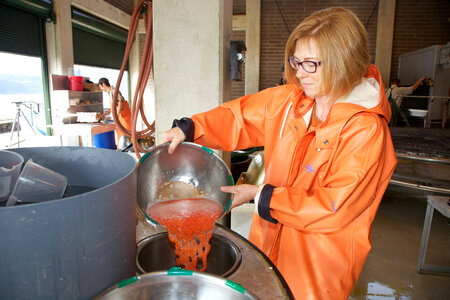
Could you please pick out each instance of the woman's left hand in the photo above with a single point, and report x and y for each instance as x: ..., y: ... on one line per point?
x: 242, y: 193
x: 175, y: 136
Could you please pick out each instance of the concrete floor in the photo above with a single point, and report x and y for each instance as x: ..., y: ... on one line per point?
x: 390, y: 269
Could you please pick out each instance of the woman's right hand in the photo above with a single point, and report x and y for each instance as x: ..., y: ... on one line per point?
x: 175, y: 136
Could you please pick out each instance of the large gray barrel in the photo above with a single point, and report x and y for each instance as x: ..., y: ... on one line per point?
x: 77, y: 246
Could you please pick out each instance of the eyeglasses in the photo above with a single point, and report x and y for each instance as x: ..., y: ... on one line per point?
x: 308, y: 65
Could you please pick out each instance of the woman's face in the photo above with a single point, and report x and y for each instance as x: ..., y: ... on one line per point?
x: 102, y: 86
x: 311, y: 83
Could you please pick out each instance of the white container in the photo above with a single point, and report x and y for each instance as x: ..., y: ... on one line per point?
x: 10, y: 166
x: 36, y: 184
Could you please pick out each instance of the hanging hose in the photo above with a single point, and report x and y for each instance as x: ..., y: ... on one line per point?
x: 144, y: 7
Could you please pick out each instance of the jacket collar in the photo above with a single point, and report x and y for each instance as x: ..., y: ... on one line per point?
x: 368, y: 96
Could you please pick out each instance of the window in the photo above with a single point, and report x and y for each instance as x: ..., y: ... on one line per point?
x: 95, y: 73
x: 21, y: 88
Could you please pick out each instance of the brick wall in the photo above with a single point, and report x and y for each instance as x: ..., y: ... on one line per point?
x: 275, y: 33
x: 419, y: 24
x: 239, y: 7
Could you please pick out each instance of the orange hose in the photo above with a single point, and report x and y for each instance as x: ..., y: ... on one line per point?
x: 144, y: 7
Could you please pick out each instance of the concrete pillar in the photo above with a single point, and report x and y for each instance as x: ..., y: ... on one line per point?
x: 192, y: 58
x: 385, y: 36
x: 252, y: 42
x: 63, y: 38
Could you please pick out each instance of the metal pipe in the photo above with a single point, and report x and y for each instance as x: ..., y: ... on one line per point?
x: 444, y: 161
x: 420, y: 187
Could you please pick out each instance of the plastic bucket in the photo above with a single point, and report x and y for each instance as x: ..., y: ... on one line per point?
x: 10, y: 166
x: 77, y: 246
x: 75, y: 83
x: 105, y: 140
x: 36, y: 184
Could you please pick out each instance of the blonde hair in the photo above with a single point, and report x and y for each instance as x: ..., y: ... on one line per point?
x: 342, y: 42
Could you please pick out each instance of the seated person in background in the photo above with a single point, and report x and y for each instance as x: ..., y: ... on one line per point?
x: 396, y: 93
x: 123, y: 108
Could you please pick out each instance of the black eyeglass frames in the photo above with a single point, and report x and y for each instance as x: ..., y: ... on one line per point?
x: 308, y: 65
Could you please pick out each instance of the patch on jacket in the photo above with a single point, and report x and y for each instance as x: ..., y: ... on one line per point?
x: 333, y: 206
x: 309, y: 168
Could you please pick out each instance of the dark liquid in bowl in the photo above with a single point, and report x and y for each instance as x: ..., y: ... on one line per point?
x: 70, y: 191
x: 73, y: 190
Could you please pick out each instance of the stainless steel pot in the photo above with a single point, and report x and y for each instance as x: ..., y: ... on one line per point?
x: 156, y: 253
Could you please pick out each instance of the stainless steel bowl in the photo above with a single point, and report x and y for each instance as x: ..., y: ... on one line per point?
x: 193, y: 171
x: 177, y: 284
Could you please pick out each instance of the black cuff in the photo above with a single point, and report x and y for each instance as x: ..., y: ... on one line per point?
x: 264, y: 203
x: 187, y: 126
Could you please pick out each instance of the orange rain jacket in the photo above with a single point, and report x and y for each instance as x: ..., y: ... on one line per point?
x: 323, y: 187
x: 125, y: 117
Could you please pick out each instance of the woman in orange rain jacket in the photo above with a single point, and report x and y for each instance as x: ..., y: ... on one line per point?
x: 123, y: 108
x: 328, y: 155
